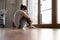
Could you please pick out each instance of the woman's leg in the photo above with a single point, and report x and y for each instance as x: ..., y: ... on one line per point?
x: 28, y: 22
x: 22, y: 22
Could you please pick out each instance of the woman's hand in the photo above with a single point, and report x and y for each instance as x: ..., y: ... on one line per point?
x: 30, y: 20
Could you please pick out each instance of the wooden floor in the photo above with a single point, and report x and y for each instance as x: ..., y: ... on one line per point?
x: 18, y: 34
x: 29, y: 34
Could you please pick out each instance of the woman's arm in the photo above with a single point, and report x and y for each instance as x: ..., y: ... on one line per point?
x: 25, y: 15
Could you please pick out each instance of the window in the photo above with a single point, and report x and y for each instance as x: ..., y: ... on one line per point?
x: 43, y: 12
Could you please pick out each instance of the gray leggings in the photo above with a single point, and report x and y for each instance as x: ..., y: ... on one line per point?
x: 23, y: 21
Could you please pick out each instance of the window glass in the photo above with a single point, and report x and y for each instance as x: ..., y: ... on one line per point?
x: 58, y: 11
x: 24, y: 2
x: 46, y: 12
x: 33, y: 10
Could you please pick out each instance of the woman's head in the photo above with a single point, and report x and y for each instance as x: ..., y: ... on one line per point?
x: 23, y: 7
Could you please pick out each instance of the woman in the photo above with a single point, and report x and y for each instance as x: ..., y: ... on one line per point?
x: 22, y: 17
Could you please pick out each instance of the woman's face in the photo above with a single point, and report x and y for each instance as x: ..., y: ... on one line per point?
x: 25, y: 10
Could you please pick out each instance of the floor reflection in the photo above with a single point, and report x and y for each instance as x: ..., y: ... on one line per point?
x: 46, y: 34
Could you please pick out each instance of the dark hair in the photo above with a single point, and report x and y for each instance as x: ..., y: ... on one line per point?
x: 23, y: 7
